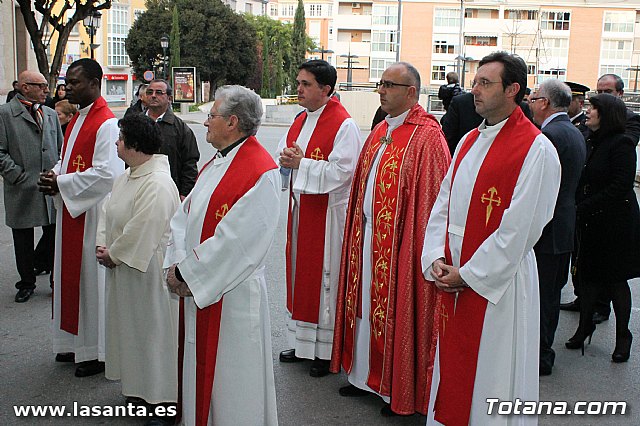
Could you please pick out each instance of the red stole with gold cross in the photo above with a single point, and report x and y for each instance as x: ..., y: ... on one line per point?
x: 249, y: 164
x: 383, y: 268
x: 303, y: 301
x: 79, y: 160
x: 463, y: 318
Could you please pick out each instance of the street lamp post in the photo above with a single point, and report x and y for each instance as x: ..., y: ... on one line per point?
x: 350, y: 63
x: 164, y: 42
x: 91, y: 24
x: 463, y: 60
x: 322, y: 51
x: 635, y: 84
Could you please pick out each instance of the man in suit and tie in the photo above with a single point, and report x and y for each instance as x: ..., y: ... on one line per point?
x: 30, y: 140
x: 549, y: 105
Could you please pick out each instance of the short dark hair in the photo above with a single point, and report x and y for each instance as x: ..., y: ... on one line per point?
x: 452, y: 77
x: 515, y: 71
x: 324, y: 73
x: 90, y: 67
x: 166, y: 83
x: 140, y: 133
x: 617, y: 78
x: 612, y: 112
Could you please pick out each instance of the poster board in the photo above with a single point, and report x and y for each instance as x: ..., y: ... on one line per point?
x: 184, y: 84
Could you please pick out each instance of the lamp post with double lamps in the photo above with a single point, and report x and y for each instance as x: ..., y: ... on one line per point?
x: 164, y: 42
x: 91, y: 24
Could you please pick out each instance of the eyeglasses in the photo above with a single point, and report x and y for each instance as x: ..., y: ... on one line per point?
x: 609, y: 91
x: 389, y: 84
x: 40, y: 85
x: 150, y: 92
x: 533, y: 100
x: 484, y: 83
x: 210, y: 116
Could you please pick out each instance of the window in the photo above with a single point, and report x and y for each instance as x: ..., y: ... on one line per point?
x: 616, y: 49
x: 118, y: 29
x: 273, y: 9
x: 619, y: 22
x: 620, y: 70
x: 330, y: 10
x: 313, y: 10
x: 385, y: 15
x: 438, y: 72
x: 481, y: 13
x: 248, y: 8
x: 378, y: 66
x: 531, y: 69
x: 559, y: 73
x: 288, y: 10
x: 383, y: 41
x: 521, y: 15
x: 443, y: 47
x: 558, y: 21
x: 447, y: 18
x: 480, y: 41
x: 556, y: 47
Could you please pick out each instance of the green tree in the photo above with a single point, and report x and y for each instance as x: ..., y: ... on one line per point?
x: 265, y: 90
x: 174, y: 38
x: 298, y: 42
x: 218, y: 42
x: 44, y: 18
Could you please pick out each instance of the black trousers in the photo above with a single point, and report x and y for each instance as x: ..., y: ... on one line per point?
x: 553, y: 271
x: 27, y: 258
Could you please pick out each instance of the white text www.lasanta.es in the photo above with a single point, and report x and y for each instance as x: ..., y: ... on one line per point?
x: 518, y: 407
x: 79, y: 410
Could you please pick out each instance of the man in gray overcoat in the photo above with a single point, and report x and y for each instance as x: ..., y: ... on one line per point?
x: 30, y: 141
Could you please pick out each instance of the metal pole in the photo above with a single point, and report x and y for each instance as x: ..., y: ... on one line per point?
x: 461, y: 39
x: 91, y: 32
x: 164, y: 65
x: 399, y: 28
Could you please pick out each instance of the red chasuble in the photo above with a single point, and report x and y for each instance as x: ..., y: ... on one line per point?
x: 249, y: 164
x: 79, y: 160
x: 303, y: 292
x: 463, y: 320
x: 403, y: 305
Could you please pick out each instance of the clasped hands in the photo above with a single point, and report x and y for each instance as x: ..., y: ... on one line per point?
x: 447, y: 278
x: 48, y: 183
x: 290, y: 157
x: 175, y: 285
x: 102, y: 254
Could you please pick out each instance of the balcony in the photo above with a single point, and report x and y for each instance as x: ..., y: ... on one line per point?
x: 357, y: 48
x: 353, y: 22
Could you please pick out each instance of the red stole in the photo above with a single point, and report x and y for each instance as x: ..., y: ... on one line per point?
x: 304, y: 301
x: 249, y: 164
x: 463, y: 320
x: 383, y: 270
x: 80, y: 159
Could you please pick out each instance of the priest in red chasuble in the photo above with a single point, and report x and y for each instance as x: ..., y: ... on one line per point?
x: 318, y: 155
x: 493, y: 205
x: 79, y: 183
x: 220, y: 239
x: 386, y: 328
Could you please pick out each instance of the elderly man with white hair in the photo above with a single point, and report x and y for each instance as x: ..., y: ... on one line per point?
x: 220, y: 239
x: 549, y: 105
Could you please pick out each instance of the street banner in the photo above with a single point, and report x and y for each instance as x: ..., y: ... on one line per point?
x: 184, y: 84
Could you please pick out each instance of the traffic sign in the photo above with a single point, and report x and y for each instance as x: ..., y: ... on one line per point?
x: 148, y: 75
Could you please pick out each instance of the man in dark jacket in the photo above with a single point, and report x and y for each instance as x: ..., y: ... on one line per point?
x: 13, y: 92
x: 549, y: 105
x: 450, y: 90
x: 576, y: 108
x: 178, y: 141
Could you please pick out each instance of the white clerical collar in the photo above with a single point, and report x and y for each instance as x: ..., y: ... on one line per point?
x: 85, y: 110
x: 575, y: 116
x: 317, y: 112
x: 395, y: 122
x: 491, y: 131
x: 551, y: 117
x: 159, y: 119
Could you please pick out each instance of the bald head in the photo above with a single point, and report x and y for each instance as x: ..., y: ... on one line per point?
x: 33, y: 86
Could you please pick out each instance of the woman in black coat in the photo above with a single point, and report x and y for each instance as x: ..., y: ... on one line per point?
x: 608, y: 222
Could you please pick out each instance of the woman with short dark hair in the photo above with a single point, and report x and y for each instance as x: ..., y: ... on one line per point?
x: 61, y: 93
x: 608, y: 222
x: 142, y: 321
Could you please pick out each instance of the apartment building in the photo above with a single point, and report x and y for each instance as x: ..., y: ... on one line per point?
x: 567, y: 39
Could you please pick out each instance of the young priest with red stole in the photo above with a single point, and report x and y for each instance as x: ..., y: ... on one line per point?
x: 493, y: 205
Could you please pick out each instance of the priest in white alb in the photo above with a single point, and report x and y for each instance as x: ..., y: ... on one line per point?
x: 318, y: 155
x: 220, y: 240
x: 498, y: 195
x: 79, y: 183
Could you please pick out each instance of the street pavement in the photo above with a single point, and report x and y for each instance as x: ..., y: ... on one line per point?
x: 29, y: 375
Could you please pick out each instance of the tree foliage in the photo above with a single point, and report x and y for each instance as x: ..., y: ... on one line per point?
x: 299, y: 45
x: 174, y: 39
x: 40, y: 14
x: 215, y: 40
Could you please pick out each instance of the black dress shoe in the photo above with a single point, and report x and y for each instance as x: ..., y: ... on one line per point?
x: 351, y: 390
x: 89, y: 368
x: 571, y: 306
x: 289, y: 356
x: 41, y: 271
x: 135, y: 401
x: 23, y: 295
x: 161, y: 421
x: 599, y: 318
x: 386, y: 411
x: 545, y: 370
x: 66, y: 357
x: 319, y: 367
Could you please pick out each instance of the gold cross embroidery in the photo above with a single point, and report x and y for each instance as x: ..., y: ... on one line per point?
x: 222, y: 211
x: 445, y: 318
x: 317, y: 154
x: 78, y: 163
x: 492, y: 192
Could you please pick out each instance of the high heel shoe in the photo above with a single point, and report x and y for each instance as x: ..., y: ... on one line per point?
x: 577, y: 341
x: 623, y: 348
